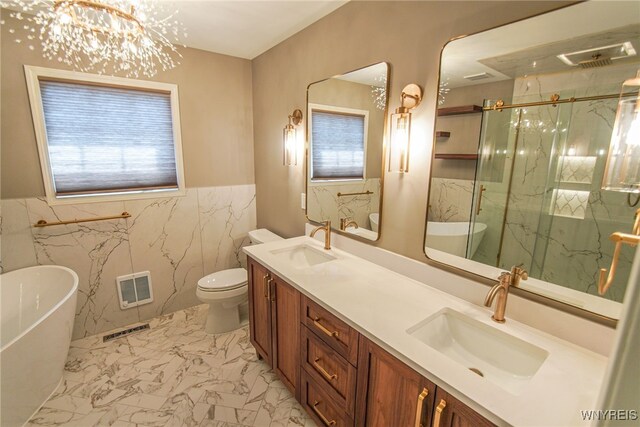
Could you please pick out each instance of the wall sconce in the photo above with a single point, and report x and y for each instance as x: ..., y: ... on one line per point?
x: 622, y: 171
x: 401, y: 129
x: 290, y: 139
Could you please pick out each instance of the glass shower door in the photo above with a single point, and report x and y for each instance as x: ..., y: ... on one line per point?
x: 491, y: 189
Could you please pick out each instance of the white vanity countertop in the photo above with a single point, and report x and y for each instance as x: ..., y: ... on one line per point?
x: 382, y: 305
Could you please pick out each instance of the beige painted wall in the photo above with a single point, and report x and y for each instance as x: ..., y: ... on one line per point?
x: 215, y: 108
x: 408, y: 35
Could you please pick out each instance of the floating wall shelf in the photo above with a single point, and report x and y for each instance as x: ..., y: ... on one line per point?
x: 457, y: 156
x: 462, y: 109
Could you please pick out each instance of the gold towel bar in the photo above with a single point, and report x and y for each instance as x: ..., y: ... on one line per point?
x: 365, y: 193
x: 43, y: 223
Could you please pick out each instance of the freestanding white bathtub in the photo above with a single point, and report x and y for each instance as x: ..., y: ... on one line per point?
x: 38, y: 307
x: 452, y: 237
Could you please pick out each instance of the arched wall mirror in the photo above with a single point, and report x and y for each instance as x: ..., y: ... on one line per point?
x: 345, y: 159
x: 523, y: 128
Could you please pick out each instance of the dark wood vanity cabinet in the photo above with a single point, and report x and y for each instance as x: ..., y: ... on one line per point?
x: 274, y: 323
x: 259, y: 310
x: 450, y: 412
x: 389, y: 392
x: 340, y: 377
x: 285, y: 330
x: 329, y: 359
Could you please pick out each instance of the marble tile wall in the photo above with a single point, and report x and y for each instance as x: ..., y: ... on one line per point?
x: 450, y: 200
x: 323, y: 202
x: 559, y: 219
x: 177, y: 239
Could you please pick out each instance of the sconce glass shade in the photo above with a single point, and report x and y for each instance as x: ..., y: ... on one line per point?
x: 401, y: 128
x: 289, y: 152
x: 400, y: 134
x: 290, y: 139
x: 622, y: 171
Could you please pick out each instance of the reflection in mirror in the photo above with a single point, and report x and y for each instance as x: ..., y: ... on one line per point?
x: 345, y: 158
x: 522, y: 135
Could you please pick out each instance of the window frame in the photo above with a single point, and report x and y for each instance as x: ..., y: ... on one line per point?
x: 345, y: 111
x: 33, y: 76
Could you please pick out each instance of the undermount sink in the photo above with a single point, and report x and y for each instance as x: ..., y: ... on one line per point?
x: 302, y: 256
x: 500, y: 358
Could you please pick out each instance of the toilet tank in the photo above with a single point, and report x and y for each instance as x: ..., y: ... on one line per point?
x: 262, y: 235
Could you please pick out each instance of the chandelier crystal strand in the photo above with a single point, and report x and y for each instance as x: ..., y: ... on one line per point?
x: 379, y: 92
x: 443, y: 90
x: 131, y: 37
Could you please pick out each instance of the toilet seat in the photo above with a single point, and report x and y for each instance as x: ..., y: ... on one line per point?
x: 225, y: 280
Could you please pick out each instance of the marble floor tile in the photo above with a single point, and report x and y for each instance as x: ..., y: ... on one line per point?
x: 172, y: 374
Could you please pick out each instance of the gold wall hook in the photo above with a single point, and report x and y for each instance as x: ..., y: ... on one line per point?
x: 605, y: 281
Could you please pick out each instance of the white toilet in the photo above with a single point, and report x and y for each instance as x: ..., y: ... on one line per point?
x: 226, y: 292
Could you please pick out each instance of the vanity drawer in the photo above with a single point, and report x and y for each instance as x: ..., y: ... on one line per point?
x: 319, y: 404
x: 341, y: 337
x: 326, y: 367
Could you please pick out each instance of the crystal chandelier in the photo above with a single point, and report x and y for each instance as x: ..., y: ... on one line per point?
x: 132, y: 37
x: 443, y: 90
x: 379, y: 92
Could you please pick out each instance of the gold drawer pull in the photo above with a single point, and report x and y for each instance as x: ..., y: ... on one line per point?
x: 421, y: 398
x: 324, y: 373
x: 438, y: 415
x: 316, y: 321
x: 322, y: 417
x: 265, y: 285
x: 272, y: 296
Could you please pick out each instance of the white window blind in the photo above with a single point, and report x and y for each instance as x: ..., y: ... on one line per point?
x: 104, y: 139
x: 337, y: 145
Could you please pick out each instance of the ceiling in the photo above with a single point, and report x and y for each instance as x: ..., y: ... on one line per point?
x: 246, y: 28
x: 494, y: 51
x: 373, y: 75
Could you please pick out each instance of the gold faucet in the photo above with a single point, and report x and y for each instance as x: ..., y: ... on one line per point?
x: 327, y: 233
x: 506, y: 280
x: 346, y: 222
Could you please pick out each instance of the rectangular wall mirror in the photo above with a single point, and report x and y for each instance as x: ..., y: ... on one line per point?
x: 524, y: 123
x: 345, y: 153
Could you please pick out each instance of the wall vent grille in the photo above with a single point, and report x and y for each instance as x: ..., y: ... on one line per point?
x: 134, y: 289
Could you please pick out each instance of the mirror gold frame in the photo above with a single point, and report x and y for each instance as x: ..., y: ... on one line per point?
x: 524, y: 293
x: 385, y: 138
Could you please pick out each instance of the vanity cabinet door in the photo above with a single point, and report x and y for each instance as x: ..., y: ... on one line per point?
x: 285, y: 329
x: 450, y: 412
x: 389, y: 392
x: 259, y: 309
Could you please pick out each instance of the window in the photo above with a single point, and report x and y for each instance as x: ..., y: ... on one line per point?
x: 101, y: 138
x: 338, y: 143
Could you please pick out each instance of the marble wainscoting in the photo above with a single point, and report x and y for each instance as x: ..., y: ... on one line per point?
x: 323, y: 202
x: 177, y: 239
